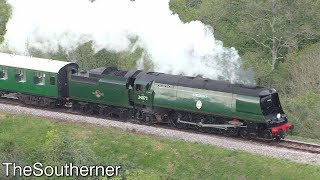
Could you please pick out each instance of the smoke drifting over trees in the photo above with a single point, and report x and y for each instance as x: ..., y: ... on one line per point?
x: 123, y: 26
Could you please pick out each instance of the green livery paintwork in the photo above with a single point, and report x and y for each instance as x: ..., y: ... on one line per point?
x: 114, y: 90
x: 29, y: 87
x: 207, y: 102
x: 109, y: 90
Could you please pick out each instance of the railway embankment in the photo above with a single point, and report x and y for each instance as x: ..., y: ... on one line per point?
x: 222, y: 142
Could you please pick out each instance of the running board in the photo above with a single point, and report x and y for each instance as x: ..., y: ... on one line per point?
x: 219, y: 126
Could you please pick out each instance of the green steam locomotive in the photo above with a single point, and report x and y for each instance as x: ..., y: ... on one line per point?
x: 148, y: 97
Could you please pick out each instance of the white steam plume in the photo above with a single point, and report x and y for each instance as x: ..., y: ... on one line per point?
x: 173, y: 46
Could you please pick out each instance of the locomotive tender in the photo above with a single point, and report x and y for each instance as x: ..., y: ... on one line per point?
x: 148, y: 97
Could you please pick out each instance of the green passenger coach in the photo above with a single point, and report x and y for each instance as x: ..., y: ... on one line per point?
x: 33, y: 78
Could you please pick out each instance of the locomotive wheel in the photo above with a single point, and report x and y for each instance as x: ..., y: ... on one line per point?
x: 224, y: 132
x: 244, y: 133
x: 209, y: 130
x: 148, y: 118
x: 123, y: 114
x: 267, y: 135
x: 52, y: 105
x: 86, y: 108
x: 198, y: 119
x: 105, y: 111
x: 229, y: 131
x: 108, y: 111
x: 207, y: 120
x: 75, y: 106
x: 175, y: 123
x: 187, y: 117
x: 101, y: 111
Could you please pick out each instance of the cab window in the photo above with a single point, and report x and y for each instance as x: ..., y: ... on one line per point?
x: 140, y: 87
x: 3, y: 73
x: 270, y: 104
x: 20, y: 75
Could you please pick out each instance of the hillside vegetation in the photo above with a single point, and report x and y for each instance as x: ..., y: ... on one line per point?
x: 279, y: 40
x: 26, y: 140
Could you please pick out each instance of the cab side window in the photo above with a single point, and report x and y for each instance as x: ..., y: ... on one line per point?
x: 3, y: 73
x: 140, y: 87
x: 20, y: 75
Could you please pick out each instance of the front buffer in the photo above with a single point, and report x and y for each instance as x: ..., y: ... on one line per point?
x: 278, y: 131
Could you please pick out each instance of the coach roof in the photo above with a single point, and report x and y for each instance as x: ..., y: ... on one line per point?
x: 32, y: 63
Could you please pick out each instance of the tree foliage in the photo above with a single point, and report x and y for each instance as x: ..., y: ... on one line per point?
x: 303, y: 71
x: 5, y: 12
x: 278, y: 27
x: 264, y: 32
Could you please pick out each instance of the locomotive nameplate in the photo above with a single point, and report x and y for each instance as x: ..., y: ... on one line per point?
x: 199, y: 95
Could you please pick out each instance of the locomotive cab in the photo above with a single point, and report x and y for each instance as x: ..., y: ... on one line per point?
x: 275, y: 117
x: 143, y: 94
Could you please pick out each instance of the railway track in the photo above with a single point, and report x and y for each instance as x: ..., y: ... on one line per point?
x: 286, y: 143
x: 298, y: 145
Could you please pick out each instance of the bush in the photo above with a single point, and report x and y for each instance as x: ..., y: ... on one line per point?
x: 57, y: 148
x: 60, y: 148
x: 304, y: 111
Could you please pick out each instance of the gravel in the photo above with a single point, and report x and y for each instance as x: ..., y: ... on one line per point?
x: 224, y: 142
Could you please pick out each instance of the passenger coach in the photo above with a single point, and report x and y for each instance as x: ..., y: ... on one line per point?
x: 38, y: 81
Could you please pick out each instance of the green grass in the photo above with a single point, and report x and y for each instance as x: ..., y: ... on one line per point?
x: 26, y: 140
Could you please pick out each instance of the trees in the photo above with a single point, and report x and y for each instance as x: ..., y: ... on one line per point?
x: 263, y: 31
x: 4, y: 17
x: 304, y: 70
x: 279, y: 26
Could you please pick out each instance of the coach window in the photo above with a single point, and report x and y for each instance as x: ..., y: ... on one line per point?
x: 52, y: 80
x: 38, y: 78
x: 20, y: 75
x: 3, y: 73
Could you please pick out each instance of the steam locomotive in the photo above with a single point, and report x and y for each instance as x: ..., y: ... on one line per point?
x: 147, y: 97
